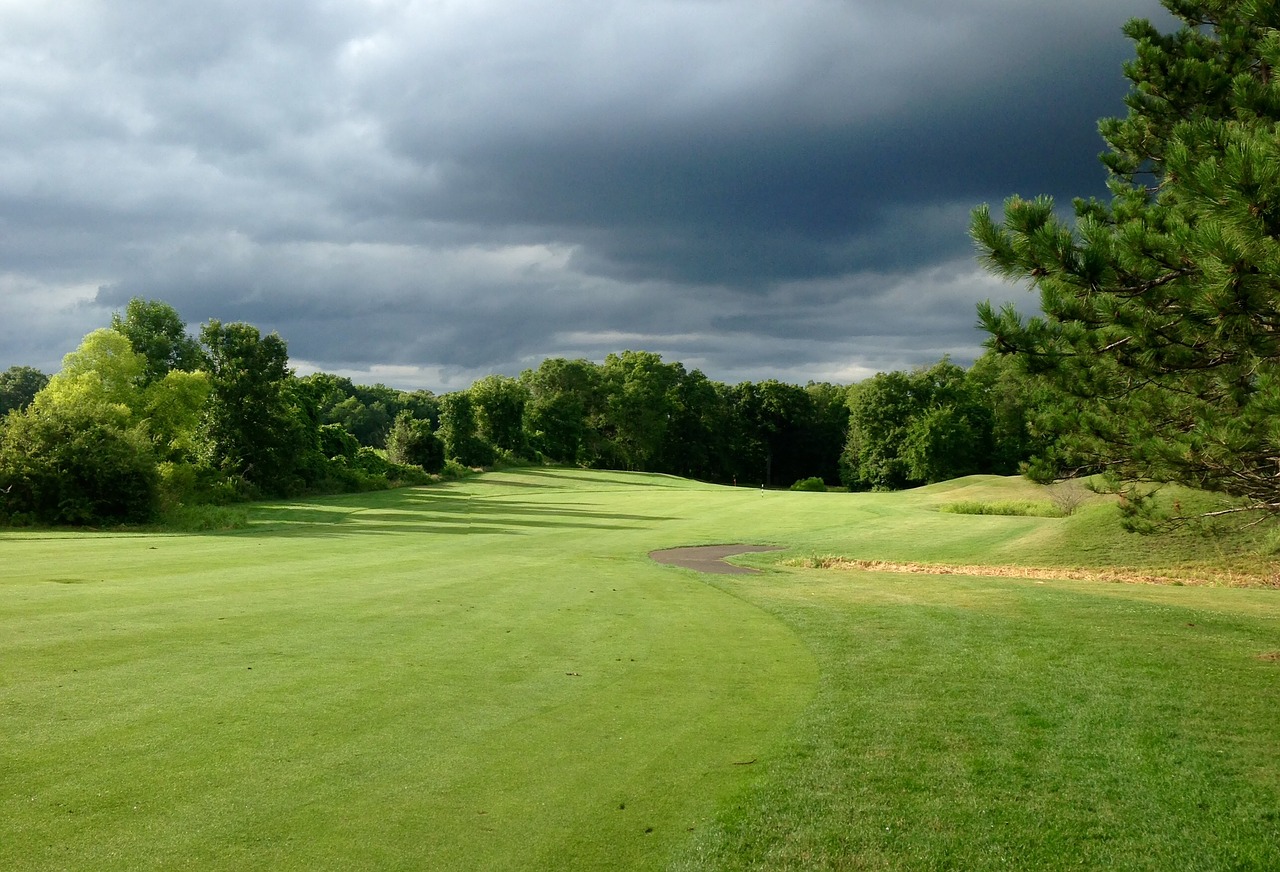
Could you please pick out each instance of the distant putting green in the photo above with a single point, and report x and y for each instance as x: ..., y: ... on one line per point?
x: 492, y: 674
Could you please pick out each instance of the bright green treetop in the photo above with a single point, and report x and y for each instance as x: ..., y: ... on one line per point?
x: 156, y: 331
x: 102, y: 375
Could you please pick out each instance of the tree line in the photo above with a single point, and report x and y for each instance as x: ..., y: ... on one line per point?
x: 1156, y: 356
x: 144, y: 417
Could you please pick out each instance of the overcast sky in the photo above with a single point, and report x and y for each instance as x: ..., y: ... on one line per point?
x: 422, y: 193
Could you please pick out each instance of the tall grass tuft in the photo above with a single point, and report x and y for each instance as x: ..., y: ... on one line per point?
x: 1021, y: 508
x: 205, y: 518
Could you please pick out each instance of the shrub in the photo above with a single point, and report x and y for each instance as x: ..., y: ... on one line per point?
x: 178, y: 484
x: 66, y: 466
x: 411, y: 441
x: 1068, y: 495
x: 335, y: 441
x: 401, y: 474
x: 453, y: 470
x: 370, y: 460
x: 203, y: 519
x: 812, y: 483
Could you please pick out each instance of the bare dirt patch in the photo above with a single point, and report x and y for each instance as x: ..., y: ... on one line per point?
x: 1218, y: 579
x: 710, y: 558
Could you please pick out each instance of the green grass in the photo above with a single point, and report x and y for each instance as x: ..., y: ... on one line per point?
x: 490, y: 673
x: 966, y: 723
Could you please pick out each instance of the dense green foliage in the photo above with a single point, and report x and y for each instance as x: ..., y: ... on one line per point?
x: 68, y: 465
x: 257, y: 427
x: 87, y: 449
x: 412, y: 442
x: 142, y: 417
x: 939, y: 423
x: 226, y: 418
x: 1161, y: 307
x: 563, y: 395
x: 367, y: 412
x: 19, y: 386
x: 499, y: 404
x: 638, y: 412
x: 461, y: 432
x: 156, y: 331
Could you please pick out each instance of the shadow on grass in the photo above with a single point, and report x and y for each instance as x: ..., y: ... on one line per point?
x: 505, y: 507
x: 506, y: 482
x: 421, y: 512
x: 628, y: 479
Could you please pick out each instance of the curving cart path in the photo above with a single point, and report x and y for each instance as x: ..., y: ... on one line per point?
x: 710, y: 558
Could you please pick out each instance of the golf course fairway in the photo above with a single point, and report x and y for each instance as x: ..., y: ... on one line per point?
x: 492, y: 674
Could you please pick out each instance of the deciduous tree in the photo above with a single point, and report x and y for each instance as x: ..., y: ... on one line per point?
x: 19, y: 386
x: 499, y: 403
x: 257, y: 426
x: 460, y: 432
x: 563, y: 396
x: 103, y: 375
x: 156, y: 331
x: 640, y: 398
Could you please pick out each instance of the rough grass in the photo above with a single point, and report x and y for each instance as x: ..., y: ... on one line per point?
x: 491, y: 674
x: 1024, y: 508
x: 985, y: 723
x: 205, y: 519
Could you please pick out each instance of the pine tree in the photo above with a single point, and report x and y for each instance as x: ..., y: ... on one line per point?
x: 1161, y: 308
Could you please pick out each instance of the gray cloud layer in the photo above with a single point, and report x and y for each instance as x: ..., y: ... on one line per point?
x: 424, y: 192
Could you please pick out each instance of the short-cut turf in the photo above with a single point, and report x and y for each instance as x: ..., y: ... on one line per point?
x: 492, y: 674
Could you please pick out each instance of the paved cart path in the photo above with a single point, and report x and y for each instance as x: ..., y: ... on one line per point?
x: 710, y: 558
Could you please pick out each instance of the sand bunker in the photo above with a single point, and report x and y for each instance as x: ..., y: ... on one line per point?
x: 710, y: 558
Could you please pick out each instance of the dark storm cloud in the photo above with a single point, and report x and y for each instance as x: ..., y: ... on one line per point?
x: 765, y: 185
x: 754, y: 190
x: 424, y: 192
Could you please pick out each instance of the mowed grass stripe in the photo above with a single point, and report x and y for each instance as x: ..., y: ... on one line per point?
x: 380, y: 681
x: 318, y: 695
